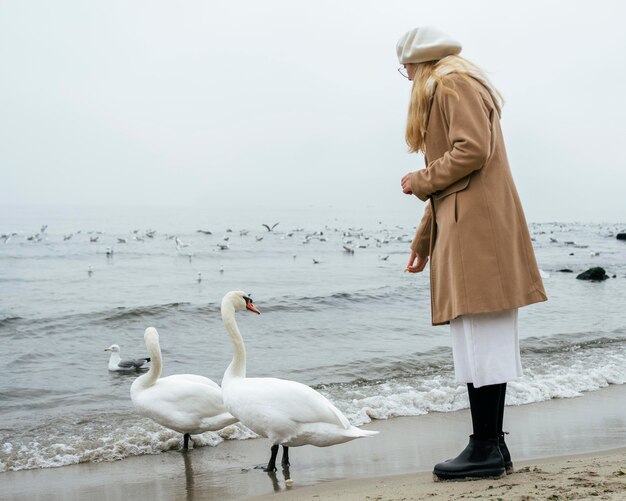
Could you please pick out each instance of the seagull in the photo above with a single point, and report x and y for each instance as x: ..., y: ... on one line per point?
x: 243, y: 233
x: 222, y: 246
x: 109, y: 252
x: 180, y: 244
x: 272, y: 228
x: 121, y: 241
x: 258, y: 239
x: 116, y: 364
x: 8, y: 236
x: 384, y: 258
x: 199, y: 279
x: 221, y: 268
x: 68, y: 236
x: 93, y: 239
x: 349, y: 250
x: 205, y: 232
x: 90, y: 270
x: 315, y: 261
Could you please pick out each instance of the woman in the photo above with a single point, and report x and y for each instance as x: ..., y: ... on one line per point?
x: 482, y: 264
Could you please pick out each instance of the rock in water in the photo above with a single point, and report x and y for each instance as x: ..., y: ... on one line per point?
x: 566, y: 270
x: 621, y: 236
x: 596, y: 274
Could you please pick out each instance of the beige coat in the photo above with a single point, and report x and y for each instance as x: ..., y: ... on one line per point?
x: 481, y: 256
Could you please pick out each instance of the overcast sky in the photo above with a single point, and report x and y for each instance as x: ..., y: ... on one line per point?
x: 284, y: 103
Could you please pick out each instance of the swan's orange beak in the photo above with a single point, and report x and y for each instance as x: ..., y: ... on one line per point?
x: 251, y: 307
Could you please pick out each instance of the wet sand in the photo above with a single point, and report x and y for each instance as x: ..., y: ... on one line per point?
x: 589, y: 476
x: 392, y: 465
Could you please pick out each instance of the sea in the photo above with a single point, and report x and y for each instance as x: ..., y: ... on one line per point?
x: 337, y: 313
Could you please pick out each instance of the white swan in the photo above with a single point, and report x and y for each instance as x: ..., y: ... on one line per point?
x: 185, y: 403
x: 290, y: 414
x: 116, y: 364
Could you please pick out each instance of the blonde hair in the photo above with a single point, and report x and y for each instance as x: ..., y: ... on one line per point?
x: 429, y: 76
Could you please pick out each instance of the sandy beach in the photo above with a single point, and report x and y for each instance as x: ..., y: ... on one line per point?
x: 571, y: 448
x: 589, y: 476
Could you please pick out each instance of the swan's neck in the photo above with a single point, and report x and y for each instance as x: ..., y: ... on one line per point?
x: 237, y: 367
x: 156, y: 364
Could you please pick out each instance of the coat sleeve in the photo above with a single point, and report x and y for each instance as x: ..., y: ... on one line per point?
x: 421, y: 241
x: 469, y: 134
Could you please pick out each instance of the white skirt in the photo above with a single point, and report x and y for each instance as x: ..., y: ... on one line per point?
x: 485, y: 347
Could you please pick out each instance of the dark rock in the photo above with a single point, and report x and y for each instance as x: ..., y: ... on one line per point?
x: 596, y: 274
x: 566, y: 270
x: 621, y: 236
x: 571, y: 253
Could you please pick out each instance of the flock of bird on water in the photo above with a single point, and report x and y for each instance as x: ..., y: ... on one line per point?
x: 351, y: 239
x: 286, y: 412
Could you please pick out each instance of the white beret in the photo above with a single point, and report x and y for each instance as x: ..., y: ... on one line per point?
x: 425, y: 43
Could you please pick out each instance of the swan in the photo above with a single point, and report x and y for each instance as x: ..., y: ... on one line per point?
x: 185, y: 403
x: 116, y: 364
x: 286, y: 412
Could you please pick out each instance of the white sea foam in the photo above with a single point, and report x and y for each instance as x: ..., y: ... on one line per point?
x: 545, y: 378
x: 147, y: 438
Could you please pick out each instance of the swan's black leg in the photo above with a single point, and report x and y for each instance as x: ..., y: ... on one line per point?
x: 271, y: 466
x: 186, y: 438
x: 285, y: 461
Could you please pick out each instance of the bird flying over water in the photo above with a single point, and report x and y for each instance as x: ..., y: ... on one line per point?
x: 272, y: 228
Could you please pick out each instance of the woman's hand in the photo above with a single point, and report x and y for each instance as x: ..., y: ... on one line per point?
x: 416, y: 263
x: 406, y: 184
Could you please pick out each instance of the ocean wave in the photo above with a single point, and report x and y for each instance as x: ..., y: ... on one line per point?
x: 427, y: 364
x: 8, y: 321
x: 335, y: 300
x: 124, y: 313
x: 544, y: 379
x: 572, y: 341
x: 105, y: 316
x: 68, y: 441
x: 277, y: 304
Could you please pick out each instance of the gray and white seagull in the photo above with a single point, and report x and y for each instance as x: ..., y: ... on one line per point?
x: 116, y: 363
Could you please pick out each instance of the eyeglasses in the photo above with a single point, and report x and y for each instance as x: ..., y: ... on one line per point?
x: 403, y: 72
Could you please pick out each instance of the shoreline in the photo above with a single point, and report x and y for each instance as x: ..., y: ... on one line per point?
x: 554, y: 432
x: 580, y: 476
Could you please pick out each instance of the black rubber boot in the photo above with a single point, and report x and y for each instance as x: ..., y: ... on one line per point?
x: 480, y: 459
x: 506, y: 455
